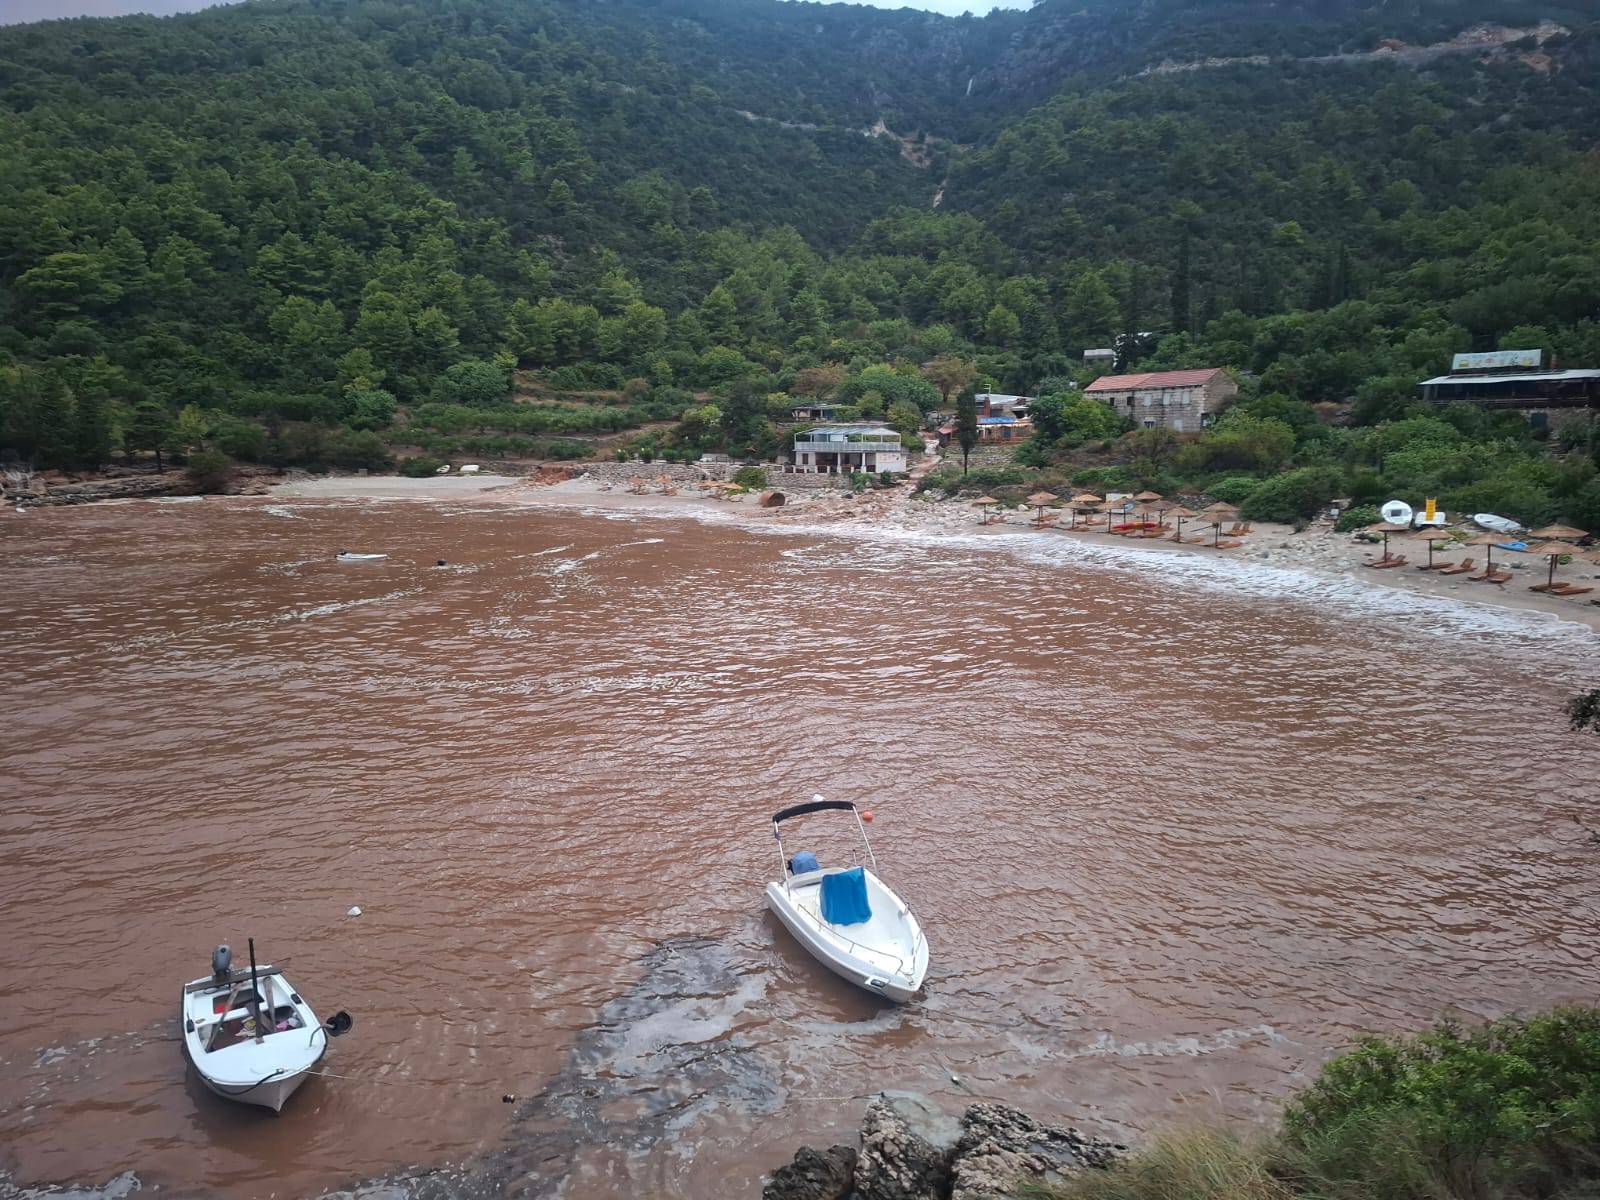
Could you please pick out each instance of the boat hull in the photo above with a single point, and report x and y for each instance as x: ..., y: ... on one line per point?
x: 273, y: 1094
x: 897, y: 985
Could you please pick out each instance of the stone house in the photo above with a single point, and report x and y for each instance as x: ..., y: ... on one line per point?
x: 1186, y: 401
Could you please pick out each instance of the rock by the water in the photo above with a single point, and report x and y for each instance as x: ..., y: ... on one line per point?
x: 814, y: 1175
x: 896, y: 1163
x: 1002, y: 1146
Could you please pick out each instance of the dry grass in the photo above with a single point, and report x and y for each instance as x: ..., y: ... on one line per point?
x: 1199, y: 1164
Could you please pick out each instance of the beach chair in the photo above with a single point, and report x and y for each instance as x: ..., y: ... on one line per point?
x: 1437, y: 565
x: 1568, y: 589
x: 1226, y: 545
x: 1384, y: 564
x: 1238, y: 530
x: 1461, y: 568
x: 1500, y: 577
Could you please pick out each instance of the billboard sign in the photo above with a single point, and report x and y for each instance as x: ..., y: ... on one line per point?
x: 1496, y: 359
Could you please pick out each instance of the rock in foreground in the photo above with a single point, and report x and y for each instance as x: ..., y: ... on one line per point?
x: 999, y: 1149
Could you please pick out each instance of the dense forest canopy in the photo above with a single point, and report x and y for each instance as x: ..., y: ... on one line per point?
x: 313, y: 228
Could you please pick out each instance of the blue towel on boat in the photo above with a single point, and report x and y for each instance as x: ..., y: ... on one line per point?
x: 803, y: 862
x: 844, y: 897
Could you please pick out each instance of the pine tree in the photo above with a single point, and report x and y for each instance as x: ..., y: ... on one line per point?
x: 1180, y: 285
x: 966, y: 426
x: 52, y: 427
x: 91, y: 432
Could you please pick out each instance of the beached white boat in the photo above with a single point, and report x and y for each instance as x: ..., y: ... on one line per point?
x: 848, y: 918
x: 1495, y: 523
x: 347, y: 556
x: 248, y: 1033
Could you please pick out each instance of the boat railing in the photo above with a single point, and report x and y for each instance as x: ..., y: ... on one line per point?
x: 833, y: 931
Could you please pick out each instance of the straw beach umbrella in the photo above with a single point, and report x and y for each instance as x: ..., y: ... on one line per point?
x: 1433, y: 537
x: 1215, y: 514
x: 1083, y: 502
x: 1180, y: 514
x: 1559, y: 533
x: 1147, y: 497
x: 1386, y: 528
x: 1488, y: 541
x: 986, y: 504
x: 1041, y: 501
x: 1553, y: 551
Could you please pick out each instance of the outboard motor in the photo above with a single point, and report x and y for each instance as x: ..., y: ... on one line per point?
x: 221, y: 963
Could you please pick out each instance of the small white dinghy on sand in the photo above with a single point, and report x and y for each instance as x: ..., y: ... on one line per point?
x: 848, y: 918
x: 248, y: 1033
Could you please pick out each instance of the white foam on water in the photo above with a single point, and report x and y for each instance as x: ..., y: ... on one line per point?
x: 281, y: 510
x: 323, y: 610
x: 1107, y: 1045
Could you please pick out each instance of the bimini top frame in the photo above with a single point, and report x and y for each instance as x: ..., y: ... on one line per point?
x: 818, y: 804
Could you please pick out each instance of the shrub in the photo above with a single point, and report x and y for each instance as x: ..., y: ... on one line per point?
x: 419, y: 466
x: 1105, y: 479
x: 210, y: 471
x: 750, y: 477
x: 567, y: 450
x: 586, y: 377
x: 241, y: 440
x: 354, y: 450
x: 476, y: 383
x: 1358, y: 517
x: 1511, y: 1106
x: 1234, y: 488
x: 1291, y: 495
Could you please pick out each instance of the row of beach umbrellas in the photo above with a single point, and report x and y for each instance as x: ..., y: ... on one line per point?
x: 1553, y: 542
x: 1142, y: 504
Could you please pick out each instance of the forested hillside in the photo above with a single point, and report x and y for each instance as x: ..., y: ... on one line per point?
x: 314, y: 230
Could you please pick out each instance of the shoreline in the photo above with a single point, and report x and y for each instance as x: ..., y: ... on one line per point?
x: 1318, y: 552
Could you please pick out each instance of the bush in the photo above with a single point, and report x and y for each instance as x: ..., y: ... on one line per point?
x: 750, y: 477
x: 1358, y: 517
x: 1295, y: 494
x: 210, y: 471
x: 1234, y: 489
x: 420, y: 466
x: 1504, y: 1111
x: 1105, y: 479
x: 586, y: 377
x: 476, y: 383
x: 354, y: 450
x: 567, y: 450
x: 1511, y: 1107
x: 240, y: 440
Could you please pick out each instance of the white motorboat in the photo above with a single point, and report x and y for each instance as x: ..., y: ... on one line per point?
x: 248, y: 1033
x: 347, y: 556
x: 848, y: 918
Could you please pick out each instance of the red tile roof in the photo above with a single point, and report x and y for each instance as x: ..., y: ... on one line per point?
x: 1157, y: 379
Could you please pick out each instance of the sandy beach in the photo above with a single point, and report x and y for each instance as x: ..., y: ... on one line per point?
x: 1318, y: 551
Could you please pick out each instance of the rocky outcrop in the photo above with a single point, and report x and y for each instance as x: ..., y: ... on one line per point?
x: 814, y: 1175
x: 1001, y: 1145
x: 897, y: 1163
x: 912, y: 1151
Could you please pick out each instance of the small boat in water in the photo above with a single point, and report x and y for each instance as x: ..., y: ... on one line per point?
x: 347, y: 556
x: 848, y: 918
x: 248, y: 1033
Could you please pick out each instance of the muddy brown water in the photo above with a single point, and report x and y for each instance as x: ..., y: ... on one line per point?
x: 1177, y: 832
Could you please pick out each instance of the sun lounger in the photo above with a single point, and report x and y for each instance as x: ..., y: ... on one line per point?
x: 1461, y: 568
x: 1226, y: 545
x: 1383, y: 564
x: 1438, y: 564
x: 1500, y: 577
x: 1238, y: 530
x: 1569, y: 589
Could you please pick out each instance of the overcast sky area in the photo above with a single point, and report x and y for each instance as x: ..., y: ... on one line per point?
x: 16, y: 11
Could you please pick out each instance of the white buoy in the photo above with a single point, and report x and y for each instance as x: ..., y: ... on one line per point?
x: 355, y: 911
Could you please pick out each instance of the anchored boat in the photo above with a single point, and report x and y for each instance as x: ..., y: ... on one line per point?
x: 248, y: 1033
x: 349, y: 556
x: 848, y: 917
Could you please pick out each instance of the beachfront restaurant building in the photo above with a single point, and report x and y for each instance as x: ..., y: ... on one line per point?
x: 1512, y: 381
x: 845, y: 449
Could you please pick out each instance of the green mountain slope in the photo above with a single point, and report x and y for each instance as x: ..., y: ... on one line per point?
x: 283, y: 212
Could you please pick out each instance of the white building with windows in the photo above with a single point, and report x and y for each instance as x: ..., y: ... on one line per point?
x: 844, y: 449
